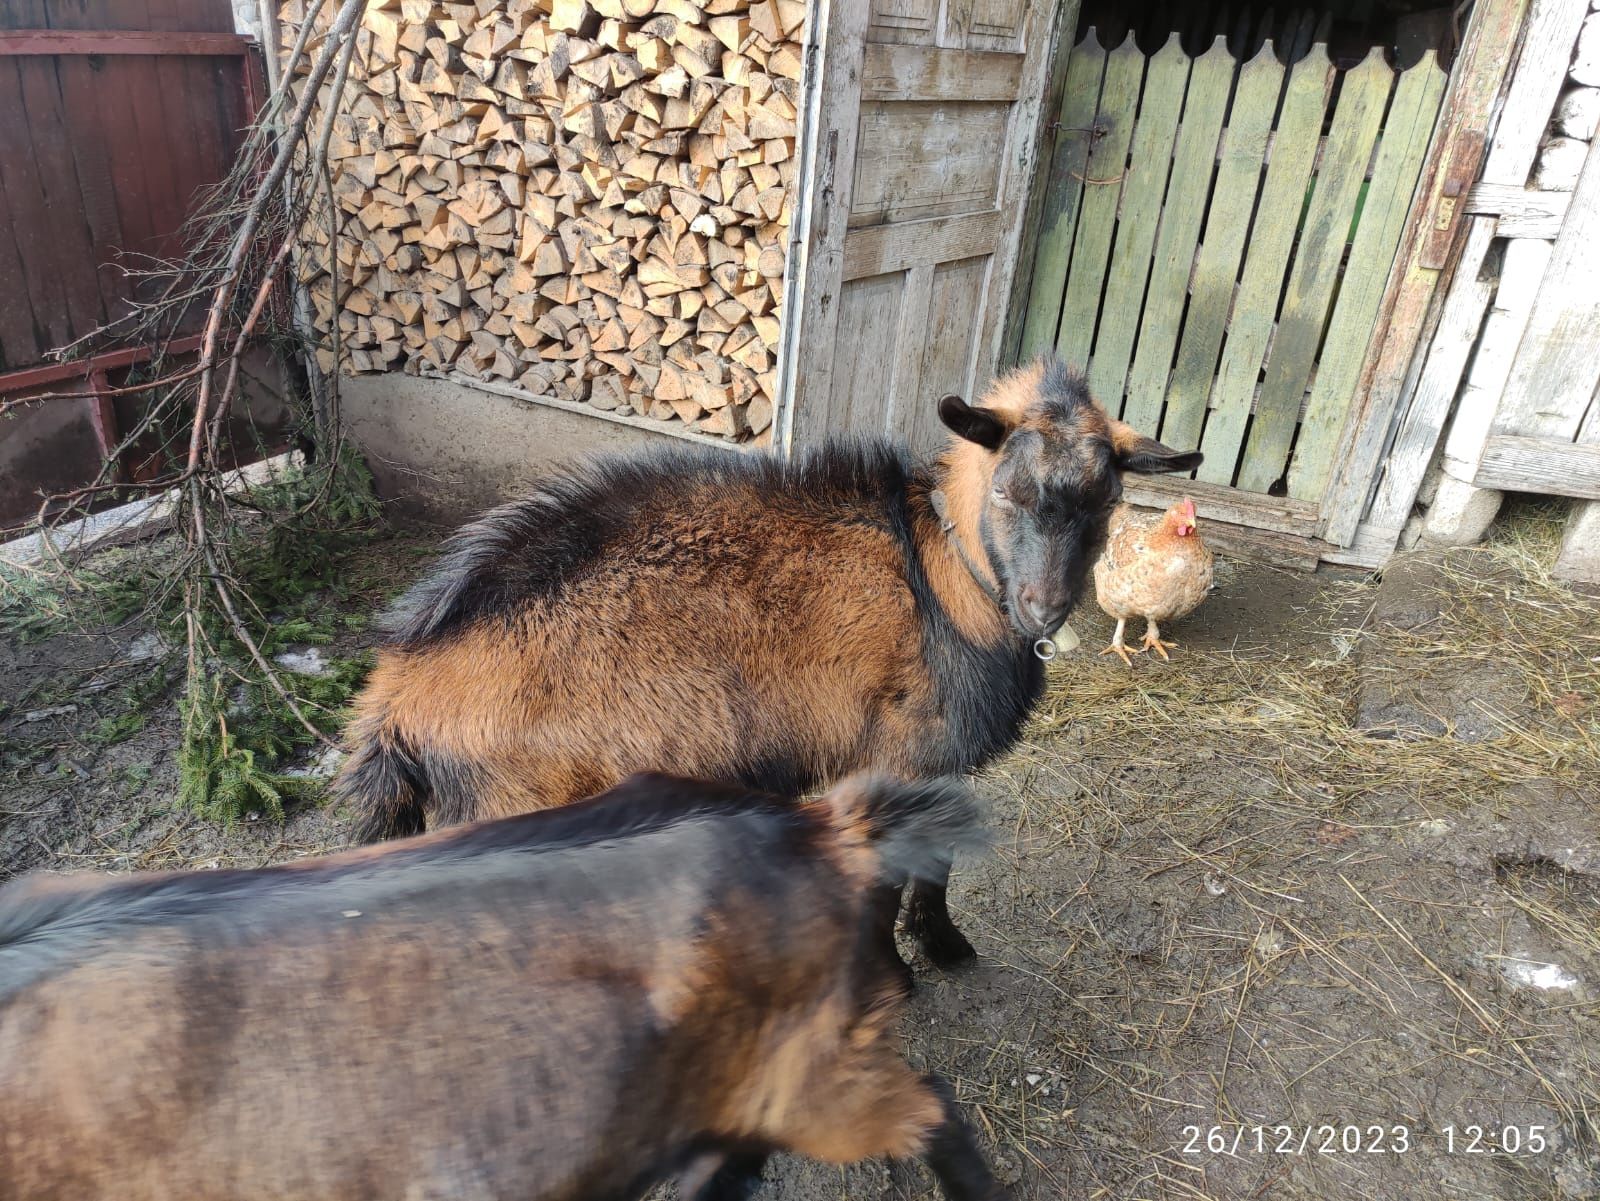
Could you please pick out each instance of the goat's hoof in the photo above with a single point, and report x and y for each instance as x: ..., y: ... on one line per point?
x: 907, y: 978
x: 947, y: 948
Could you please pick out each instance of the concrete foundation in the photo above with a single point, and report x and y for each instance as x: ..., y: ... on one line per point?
x: 1460, y: 514
x: 442, y: 451
x: 1579, y: 560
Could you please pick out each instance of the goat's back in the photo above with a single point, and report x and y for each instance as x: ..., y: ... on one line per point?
x: 730, y: 617
x: 454, y: 1015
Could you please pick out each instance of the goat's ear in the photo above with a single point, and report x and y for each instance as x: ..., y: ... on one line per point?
x: 982, y: 426
x: 1146, y: 456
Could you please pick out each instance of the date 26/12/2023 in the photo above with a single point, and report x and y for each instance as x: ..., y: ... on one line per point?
x: 1374, y: 1139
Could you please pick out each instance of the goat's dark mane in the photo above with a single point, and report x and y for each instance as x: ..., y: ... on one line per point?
x: 1063, y: 391
x: 530, y: 548
x: 44, y: 927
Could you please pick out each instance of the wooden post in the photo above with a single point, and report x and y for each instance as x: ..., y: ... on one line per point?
x: 103, y: 420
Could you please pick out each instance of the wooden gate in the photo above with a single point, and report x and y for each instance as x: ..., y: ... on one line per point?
x: 920, y: 138
x: 1214, y: 243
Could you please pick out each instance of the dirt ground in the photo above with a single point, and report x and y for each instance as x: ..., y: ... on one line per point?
x: 1311, y: 911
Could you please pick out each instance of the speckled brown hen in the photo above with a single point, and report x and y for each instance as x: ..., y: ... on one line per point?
x: 1156, y: 568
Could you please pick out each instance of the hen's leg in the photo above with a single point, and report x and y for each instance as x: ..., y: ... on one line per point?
x: 1116, y: 647
x: 1152, y: 639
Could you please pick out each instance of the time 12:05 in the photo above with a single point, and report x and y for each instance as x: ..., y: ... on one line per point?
x: 1480, y: 1140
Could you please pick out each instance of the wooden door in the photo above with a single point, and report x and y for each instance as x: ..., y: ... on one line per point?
x: 919, y: 139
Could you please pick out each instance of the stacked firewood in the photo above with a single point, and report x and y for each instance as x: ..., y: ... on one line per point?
x: 586, y: 199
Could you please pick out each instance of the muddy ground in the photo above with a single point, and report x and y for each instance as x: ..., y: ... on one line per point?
x: 1312, y: 911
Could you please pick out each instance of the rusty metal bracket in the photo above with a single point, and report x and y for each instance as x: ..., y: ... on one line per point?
x: 1095, y: 132
x: 1466, y: 157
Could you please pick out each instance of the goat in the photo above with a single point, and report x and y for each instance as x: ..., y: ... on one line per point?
x: 674, y: 978
x: 749, y: 619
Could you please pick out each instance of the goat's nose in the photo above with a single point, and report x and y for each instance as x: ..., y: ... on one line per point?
x: 1046, y: 613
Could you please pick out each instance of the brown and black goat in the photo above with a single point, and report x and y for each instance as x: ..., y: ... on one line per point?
x: 672, y: 979
x: 748, y: 619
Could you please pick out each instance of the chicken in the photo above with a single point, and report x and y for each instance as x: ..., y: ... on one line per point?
x: 1156, y: 568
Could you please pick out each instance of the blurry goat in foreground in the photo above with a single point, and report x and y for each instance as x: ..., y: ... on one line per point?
x: 671, y: 979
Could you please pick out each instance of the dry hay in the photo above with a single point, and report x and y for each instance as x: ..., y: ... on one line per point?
x: 1334, y: 972
x: 1499, y: 606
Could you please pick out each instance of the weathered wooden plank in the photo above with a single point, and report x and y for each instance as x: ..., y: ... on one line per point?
x: 906, y: 350
x: 1371, y: 547
x: 1149, y: 162
x: 945, y: 341
x: 1439, y: 382
x: 30, y: 213
x: 1244, y: 144
x: 1021, y: 155
x: 89, y: 139
x: 18, y: 343
x: 928, y: 73
x: 1541, y: 71
x: 179, y: 103
x: 1267, y: 262
x: 1060, y: 52
x: 1556, y: 369
x: 881, y: 248
x: 828, y: 174
x: 1102, y: 189
x: 927, y: 158
x: 1406, y: 132
x: 69, y: 232
x: 863, y: 356
x: 813, y: 166
x: 1521, y: 268
x: 1523, y: 216
x: 1553, y: 465
x: 1316, y: 270
x: 127, y: 41
x: 1520, y: 212
x: 1247, y: 540
x: 1407, y: 315
x: 1224, y: 503
x: 1063, y: 192
x: 1203, y: 110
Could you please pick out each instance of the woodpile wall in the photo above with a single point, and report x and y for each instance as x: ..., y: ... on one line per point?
x: 586, y: 199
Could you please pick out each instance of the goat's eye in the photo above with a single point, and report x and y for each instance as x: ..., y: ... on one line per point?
x: 1000, y: 497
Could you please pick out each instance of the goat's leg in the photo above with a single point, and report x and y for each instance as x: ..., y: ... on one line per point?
x: 953, y: 1156
x: 928, y: 918
x: 883, y: 913
x: 736, y: 1178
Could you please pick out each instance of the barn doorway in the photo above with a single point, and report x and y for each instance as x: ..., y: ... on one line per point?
x: 1220, y: 213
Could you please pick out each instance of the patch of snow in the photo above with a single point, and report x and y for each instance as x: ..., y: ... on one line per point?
x: 1532, y: 972
x: 308, y: 662
x: 33, y: 715
x: 145, y: 646
x: 322, y: 767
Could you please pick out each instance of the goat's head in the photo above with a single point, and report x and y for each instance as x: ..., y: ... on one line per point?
x: 1040, y: 463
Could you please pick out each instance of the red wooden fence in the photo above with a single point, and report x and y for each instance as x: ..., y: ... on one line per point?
x: 114, y: 116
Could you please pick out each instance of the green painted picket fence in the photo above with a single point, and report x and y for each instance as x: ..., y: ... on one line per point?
x: 1214, y: 240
